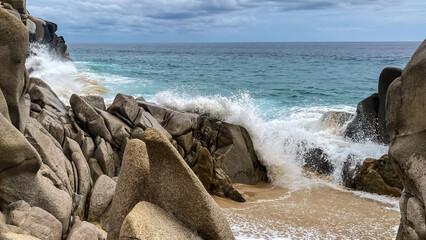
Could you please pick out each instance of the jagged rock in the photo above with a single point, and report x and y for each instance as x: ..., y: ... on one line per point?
x: 14, y: 42
x: 145, y: 120
x: 95, y: 101
x: 203, y: 167
x: 95, y: 169
x: 378, y: 176
x: 222, y: 185
x: 118, y: 129
x: 176, y: 123
x: 82, y: 230
x: 34, y: 221
x: 132, y: 185
x: 90, y: 119
x: 387, y: 76
x: 124, y: 106
x: 43, y: 95
x: 101, y: 197
x: 364, y: 125
x: 185, y: 141
x: 349, y: 171
x: 177, y: 190
x: 316, y: 160
x: 148, y: 221
x: 405, y: 118
x: 107, y: 158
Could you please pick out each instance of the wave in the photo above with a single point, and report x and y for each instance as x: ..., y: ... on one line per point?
x: 62, y: 76
x: 278, y: 141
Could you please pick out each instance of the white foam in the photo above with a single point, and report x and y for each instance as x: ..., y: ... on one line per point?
x: 277, y: 141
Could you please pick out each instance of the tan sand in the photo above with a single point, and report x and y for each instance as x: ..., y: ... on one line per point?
x: 318, y: 212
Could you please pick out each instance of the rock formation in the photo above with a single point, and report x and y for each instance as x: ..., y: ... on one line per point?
x: 62, y: 166
x: 406, y: 125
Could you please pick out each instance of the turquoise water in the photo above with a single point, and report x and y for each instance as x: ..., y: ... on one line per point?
x: 276, y: 75
x: 278, y: 91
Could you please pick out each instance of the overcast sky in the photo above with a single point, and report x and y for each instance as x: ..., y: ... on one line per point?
x: 234, y: 20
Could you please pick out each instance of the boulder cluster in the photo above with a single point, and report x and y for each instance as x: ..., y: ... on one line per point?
x: 132, y: 170
x: 40, y: 31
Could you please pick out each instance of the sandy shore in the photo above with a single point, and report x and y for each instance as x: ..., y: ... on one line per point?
x: 318, y: 212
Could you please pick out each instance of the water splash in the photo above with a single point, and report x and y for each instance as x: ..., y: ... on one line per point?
x: 278, y: 141
x: 61, y: 75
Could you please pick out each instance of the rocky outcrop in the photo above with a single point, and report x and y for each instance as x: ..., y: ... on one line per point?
x: 406, y: 125
x: 175, y: 188
x: 378, y: 176
x: 148, y: 221
x: 370, y: 119
x: 316, y: 160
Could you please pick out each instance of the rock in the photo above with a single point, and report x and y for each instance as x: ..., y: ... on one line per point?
x: 100, y: 197
x: 124, y: 106
x: 349, y: 171
x: 82, y: 230
x: 34, y: 221
x: 90, y: 119
x: 43, y: 95
x: 378, y: 176
x: 387, y: 76
x: 132, y: 185
x: 106, y: 157
x: 316, y: 160
x: 95, y: 169
x: 145, y: 120
x: 185, y: 141
x: 364, y: 125
x: 13, y: 74
x: 176, y: 123
x: 177, y: 190
x: 15, y: 150
x: 406, y: 124
x: 15, y: 236
x: 148, y: 221
x: 239, y: 160
x: 203, y: 167
x: 95, y: 101
x: 221, y: 184
x: 19, y: 5
x: 335, y: 121
x: 118, y: 129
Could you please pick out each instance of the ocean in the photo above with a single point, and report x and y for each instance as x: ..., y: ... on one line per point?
x: 278, y: 91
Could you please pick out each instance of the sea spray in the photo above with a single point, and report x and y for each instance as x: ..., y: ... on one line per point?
x: 280, y: 142
x: 61, y: 75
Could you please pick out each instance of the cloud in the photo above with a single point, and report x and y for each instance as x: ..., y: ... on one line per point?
x: 166, y: 16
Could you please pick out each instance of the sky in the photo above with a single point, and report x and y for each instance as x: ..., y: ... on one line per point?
x: 137, y: 21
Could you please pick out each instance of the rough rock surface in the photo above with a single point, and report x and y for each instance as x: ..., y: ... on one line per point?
x: 176, y: 189
x: 82, y: 230
x: 316, y: 160
x: 148, y: 221
x: 101, y: 197
x: 132, y: 185
x: 378, y: 176
x: 406, y: 124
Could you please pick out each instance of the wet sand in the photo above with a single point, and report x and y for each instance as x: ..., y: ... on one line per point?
x: 317, y: 212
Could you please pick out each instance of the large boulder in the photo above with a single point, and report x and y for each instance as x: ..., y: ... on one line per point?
x: 20, y: 5
x: 148, y: 221
x: 378, y: 176
x: 176, y: 189
x: 406, y: 124
x: 101, y: 197
x: 132, y: 185
x: 13, y: 74
x: 34, y: 221
x: 82, y: 230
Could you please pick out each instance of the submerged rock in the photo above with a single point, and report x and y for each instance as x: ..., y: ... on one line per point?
x: 316, y: 160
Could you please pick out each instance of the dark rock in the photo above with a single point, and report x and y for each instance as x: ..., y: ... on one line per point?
x: 316, y: 160
x: 349, y: 171
x: 387, y: 76
x: 364, y: 125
